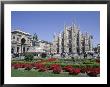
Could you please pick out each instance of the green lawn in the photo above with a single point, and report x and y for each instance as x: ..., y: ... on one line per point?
x: 63, y: 62
x: 35, y: 73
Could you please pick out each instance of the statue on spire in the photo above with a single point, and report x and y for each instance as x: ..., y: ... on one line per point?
x: 64, y: 26
x: 54, y: 35
x: 35, y: 39
x: 74, y: 23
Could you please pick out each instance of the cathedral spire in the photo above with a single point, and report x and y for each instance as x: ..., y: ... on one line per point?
x: 64, y: 25
x: 74, y: 23
x: 54, y: 35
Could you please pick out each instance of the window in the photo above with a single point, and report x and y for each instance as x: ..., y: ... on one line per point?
x: 27, y: 49
x: 12, y: 50
x: 17, y: 49
x: 13, y: 37
x: 23, y: 49
x: 17, y: 39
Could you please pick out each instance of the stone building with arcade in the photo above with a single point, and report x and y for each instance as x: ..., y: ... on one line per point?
x: 20, y: 41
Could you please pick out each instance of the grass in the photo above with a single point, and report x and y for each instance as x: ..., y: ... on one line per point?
x: 35, y: 73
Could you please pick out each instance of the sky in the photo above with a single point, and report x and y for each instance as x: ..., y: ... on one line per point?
x: 46, y: 23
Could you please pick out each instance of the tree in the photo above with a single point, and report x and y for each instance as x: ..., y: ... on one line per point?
x: 29, y: 57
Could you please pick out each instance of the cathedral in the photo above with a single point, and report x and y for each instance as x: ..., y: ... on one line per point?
x: 72, y: 41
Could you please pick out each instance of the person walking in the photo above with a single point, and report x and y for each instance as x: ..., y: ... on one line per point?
x: 85, y: 55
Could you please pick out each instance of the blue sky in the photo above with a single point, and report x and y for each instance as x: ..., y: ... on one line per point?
x: 45, y: 23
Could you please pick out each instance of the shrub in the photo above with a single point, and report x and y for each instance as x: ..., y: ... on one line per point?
x: 88, y: 62
x: 92, y: 65
x: 29, y: 57
x: 76, y: 65
x: 73, y: 59
x: 97, y: 60
x: 63, y: 64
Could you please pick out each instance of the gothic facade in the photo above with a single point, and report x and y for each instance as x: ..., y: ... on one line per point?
x: 71, y: 40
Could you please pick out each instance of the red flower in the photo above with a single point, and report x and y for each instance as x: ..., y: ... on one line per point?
x: 51, y: 59
x: 42, y: 69
x: 22, y: 65
x: 53, y: 66
x: 74, y: 71
x: 57, y: 70
x: 93, y: 72
x: 67, y: 68
x: 83, y: 70
x: 16, y: 66
x: 28, y: 67
x: 38, y: 65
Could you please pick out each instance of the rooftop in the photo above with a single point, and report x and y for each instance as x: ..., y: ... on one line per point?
x: 20, y: 32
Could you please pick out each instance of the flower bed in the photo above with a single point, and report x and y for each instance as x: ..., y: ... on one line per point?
x: 54, y: 66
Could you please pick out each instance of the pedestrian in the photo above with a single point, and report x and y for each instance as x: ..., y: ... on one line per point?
x: 85, y: 54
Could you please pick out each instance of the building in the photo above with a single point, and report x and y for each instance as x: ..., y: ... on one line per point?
x: 45, y: 45
x: 97, y: 49
x: 41, y: 48
x: 72, y: 41
x: 31, y: 43
x: 21, y: 41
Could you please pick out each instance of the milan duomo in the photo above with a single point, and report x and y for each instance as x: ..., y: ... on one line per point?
x: 71, y: 41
